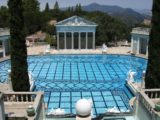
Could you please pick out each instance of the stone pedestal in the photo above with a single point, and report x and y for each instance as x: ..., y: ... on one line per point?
x: 83, y: 118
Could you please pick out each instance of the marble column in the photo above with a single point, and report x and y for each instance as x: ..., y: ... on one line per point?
x: 138, y: 45
x: 58, y: 40
x: 65, y: 42
x: 93, y: 40
x: 72, y: 40
x: 4, y: 49
x: 86, y: 40
x: 132, y: 42
x: 147, y: 50
x: 79, y: 40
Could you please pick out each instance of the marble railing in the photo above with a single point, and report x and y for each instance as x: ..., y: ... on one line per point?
x: 148, y: 98
x: 153, y: 93
x: 18, y: 102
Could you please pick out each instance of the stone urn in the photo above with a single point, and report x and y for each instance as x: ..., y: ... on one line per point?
x: 30, y: 111
x: 157, y: 107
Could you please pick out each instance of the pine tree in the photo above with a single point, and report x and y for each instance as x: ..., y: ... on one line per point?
x: 32, y: 17
x: 79, y: 8
x: 19, y: 67
x: 56, y: 6
x: 76, y: 9
x: 56, y: 11
x: 47, y: 7
x: 72, y: 9
x: 152, y: 79
x: 69, y: 9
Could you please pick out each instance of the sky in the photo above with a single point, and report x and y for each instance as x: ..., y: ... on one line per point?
x: 134, y: 4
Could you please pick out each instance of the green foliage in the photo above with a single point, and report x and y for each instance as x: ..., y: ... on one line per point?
x: 50, y: 39
x: 56, y: 6
x: 50, y: 29
x: 47, y: 7
x: 56, y: 11
x: 19, y: 67
x: 152, y: 79
x: 78, y: 9
x: 4, y: 17
x: 109, y: 29
x: 142, y: 25
x: 51, y: 32
x: 32, y: 16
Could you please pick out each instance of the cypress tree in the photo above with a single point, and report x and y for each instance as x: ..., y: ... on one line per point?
x: 152, y: 79
x: 19, y: 67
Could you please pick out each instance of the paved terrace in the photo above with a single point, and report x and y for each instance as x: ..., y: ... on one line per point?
x: 40, y: 49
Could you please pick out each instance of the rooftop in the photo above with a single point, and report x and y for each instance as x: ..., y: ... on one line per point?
x: 4, y: 31
x: 141, y: 30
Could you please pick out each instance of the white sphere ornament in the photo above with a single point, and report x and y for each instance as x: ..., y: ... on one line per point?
x: 83, y: 107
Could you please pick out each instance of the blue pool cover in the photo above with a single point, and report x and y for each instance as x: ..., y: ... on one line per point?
x: 68, y: 78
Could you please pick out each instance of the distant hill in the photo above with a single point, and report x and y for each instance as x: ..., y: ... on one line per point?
x: 128, y: 15
x: 144, y: 12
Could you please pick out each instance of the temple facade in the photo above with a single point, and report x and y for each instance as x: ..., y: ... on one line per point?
x: 4, y: 41
x: 139, y: 40
x: 76, y: 33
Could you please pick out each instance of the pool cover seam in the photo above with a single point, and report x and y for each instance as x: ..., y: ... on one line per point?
x: 48, y: 71
x: 100, y: 72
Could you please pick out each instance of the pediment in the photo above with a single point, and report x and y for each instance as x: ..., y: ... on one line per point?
x: 76, y: 21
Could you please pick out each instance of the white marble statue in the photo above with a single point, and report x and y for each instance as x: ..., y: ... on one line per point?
x: 104, y: 48
x: 131, y: 75
x: 113, y: 110
x: 31, y: 80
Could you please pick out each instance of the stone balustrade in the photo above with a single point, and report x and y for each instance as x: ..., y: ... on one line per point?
x: 16, y: 104
x: 19, y: 97
x: 148, y: 98
x: 153, y: 93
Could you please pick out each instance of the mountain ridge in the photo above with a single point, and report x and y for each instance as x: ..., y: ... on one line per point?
x: 128, y: 15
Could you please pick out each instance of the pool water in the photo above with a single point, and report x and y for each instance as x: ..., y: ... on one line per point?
x: 68, y: 78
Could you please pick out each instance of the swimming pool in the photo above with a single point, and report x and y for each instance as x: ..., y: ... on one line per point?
x: 67, y: 78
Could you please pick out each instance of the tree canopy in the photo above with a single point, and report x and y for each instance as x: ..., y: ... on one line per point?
x: 4, y: 16
x: 35, y: 20
x: 32, y: 16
